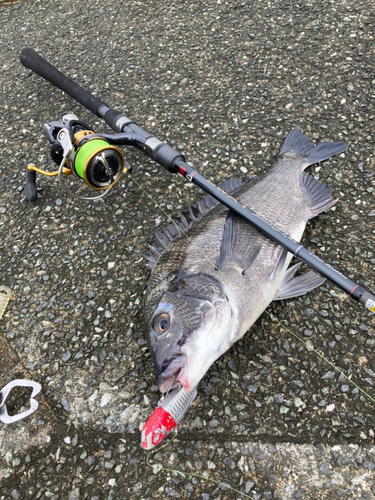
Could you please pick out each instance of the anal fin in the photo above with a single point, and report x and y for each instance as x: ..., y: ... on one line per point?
x: 294, y: 286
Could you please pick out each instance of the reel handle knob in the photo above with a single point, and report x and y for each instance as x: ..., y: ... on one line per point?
x: 30, y: 186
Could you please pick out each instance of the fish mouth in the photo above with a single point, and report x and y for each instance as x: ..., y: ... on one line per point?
x: 171, y: 370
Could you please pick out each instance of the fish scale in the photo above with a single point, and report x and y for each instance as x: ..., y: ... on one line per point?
x: 211, y: 284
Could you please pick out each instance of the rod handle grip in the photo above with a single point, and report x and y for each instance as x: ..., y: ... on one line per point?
x: 34, y: 61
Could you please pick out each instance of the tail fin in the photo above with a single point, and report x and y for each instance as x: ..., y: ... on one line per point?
x: 297, y: 142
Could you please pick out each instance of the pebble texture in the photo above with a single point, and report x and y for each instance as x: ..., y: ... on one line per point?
x: 223, y: 82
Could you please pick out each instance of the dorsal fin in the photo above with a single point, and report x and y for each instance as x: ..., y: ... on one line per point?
x: 186, y: 218
x: 317, y: 194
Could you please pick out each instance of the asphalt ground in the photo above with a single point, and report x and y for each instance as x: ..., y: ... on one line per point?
x: 224, y: 82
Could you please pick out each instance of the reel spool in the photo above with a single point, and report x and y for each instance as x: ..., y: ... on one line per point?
x: 80, y: 151
x: 95, y: 160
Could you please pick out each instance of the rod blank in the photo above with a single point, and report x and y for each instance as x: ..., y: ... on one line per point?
x: 173, y: 161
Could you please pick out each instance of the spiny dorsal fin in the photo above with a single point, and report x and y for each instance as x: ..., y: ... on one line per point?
x: 162, y: 239
x: 188, y: 217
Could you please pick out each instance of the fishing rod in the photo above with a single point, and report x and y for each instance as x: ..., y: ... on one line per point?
x: 96, y: 159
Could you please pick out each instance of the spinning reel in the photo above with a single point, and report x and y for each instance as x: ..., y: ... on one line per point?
x: 94, y: 159
x: 78, y: 150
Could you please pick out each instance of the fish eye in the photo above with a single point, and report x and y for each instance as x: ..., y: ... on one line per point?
x: 161, y: 322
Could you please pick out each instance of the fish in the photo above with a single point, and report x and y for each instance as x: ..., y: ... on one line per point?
x: 213, y: 274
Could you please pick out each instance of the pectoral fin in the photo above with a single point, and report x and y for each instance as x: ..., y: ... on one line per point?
x: 237, y: 246
x: 300, y: 285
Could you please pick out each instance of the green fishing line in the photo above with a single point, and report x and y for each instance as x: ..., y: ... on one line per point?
x: 192, y: 474
x: 272, y: 317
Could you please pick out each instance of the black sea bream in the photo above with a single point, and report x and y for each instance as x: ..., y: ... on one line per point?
x: 207, y: 290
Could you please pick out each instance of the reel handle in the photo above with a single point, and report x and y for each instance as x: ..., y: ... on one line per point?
x: 31, y: 193
x: 32, y: 60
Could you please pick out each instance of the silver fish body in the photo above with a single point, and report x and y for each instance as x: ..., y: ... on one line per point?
x: 208, y: 286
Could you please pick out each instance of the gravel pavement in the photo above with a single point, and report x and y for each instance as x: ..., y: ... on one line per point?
x: 224, y: 82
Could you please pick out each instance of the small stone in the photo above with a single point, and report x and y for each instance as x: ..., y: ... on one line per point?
x: 329, y: 375
x: 58, y: 202
x: 137, y: 488
x: 74, y: 494
x: 65, y: 404
x: 106, y: 398
x: 324, y: 470
x: 90, y: 460
x: 297, y: 495
x: 249, y: 485
x: 279, y: 398
x: 309, y: 345
x: 224, y: 486
x: 66, y: 356
x: 368, y: 465
x: 229, y: 462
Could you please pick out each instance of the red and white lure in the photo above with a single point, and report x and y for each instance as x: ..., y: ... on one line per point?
x: 166, y: 416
